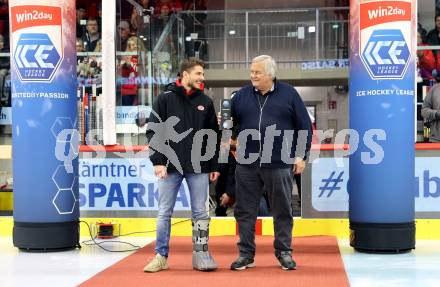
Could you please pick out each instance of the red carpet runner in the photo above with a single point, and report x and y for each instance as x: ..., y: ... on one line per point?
x: 318, y: 258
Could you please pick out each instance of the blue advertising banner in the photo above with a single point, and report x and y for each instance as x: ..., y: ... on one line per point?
x: 122, y: 184
x: 128, y: 115
x: 330, y: 177
x: 5, y: 116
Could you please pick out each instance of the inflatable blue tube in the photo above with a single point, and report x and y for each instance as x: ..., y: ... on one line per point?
x: 382, y: 106
x: 44, y: 121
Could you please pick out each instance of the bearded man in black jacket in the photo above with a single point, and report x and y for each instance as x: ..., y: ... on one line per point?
x: 183, y: 133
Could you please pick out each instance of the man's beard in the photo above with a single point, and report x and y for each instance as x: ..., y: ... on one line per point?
x: 192, y: 84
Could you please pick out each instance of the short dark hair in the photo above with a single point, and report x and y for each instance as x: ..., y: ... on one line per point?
x: 91, y: 19
x: 188, y: 64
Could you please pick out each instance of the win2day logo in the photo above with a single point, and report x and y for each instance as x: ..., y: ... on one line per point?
x: 38, y: 46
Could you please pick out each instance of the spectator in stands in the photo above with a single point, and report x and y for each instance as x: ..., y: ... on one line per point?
x: 87, y: 67
x: 4, y: 61
x: 174, y: 6
x: 123, y: 35
x: 431, y: 113
x: 135, y: 44
x: 4, y: 23
x: 433, y: 37
x: 98, y: 47
x: 164, y: 11
x: 130, y: 71
x: 128, y: 84
x: 79, y: 45
x: 146, y: 4
x: 4, y: 77
x: 80, y: 17
x: 161, y: 19
x: 427, y: 60
x: 198, y: 5
x: 99, y: 17
x: 422, y: 31
x: 92, y: 35
x: 166, y: 58
x: 80, y: 66
x: 124, y: 67
x: 194, y: 23
x: 136, y: 20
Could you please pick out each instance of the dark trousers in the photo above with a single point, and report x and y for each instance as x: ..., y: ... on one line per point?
x: 297, y: 178
x: 250, y: 183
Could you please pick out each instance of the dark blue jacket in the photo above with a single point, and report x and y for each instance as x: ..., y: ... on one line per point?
x: 282, y: 107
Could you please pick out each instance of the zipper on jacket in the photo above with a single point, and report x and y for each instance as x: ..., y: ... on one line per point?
x: 259, y: 123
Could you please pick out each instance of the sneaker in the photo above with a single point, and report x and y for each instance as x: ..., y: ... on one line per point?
x: 242, y: 263
x: 286, y: 261
x: 158, y: 263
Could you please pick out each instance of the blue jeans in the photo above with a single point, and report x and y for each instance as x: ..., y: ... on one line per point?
x: 168, y: 188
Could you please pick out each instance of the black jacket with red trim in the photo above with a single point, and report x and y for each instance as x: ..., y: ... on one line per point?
x: 195, y: 111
